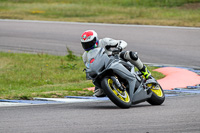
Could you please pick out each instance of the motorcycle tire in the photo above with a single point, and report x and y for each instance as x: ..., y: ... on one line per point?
x: 158, y: 96
x: 118, y: 97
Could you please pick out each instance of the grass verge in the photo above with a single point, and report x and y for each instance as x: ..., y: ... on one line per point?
x: 24, y: 76
x: 149, y: 12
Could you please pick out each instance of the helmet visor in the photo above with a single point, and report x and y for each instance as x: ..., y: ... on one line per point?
x: 88, y: 45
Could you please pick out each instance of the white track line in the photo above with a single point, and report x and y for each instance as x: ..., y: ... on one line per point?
x: 6, y: 104
x: 99, y: 24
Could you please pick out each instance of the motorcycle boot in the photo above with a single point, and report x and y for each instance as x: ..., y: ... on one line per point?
x: 133, y: 58
x: 145, y: 72
x: 98, y: 92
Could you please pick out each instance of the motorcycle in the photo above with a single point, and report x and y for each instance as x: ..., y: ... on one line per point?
x: 122, y: 84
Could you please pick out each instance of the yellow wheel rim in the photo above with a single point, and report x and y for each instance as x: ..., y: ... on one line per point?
x: 122, y: 95
x: 156, y: 89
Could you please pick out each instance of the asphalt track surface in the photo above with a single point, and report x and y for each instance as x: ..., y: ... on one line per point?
x: 163, y: 45
x: 154, y: 44
x: 176, y: 115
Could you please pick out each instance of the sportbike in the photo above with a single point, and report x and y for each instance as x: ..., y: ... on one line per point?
x: 122, y: 84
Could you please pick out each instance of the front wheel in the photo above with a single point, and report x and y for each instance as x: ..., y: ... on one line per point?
x: 118, y: 97
x: 158, y: 96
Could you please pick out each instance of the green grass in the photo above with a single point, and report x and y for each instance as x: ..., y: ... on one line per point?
x: 152, y: 12
x: 24, y: 76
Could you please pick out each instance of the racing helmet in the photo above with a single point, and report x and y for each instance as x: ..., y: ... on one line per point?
x: 89, y: 40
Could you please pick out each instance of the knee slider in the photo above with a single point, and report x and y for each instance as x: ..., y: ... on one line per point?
x: 133, y: 55
x: 129, y: 55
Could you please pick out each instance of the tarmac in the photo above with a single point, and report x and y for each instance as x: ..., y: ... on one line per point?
x: 178, y: 81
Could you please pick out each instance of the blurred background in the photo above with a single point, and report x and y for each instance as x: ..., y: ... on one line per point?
x: 148, y: 12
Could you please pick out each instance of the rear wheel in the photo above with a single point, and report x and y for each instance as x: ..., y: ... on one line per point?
x: 118, y: 97
x: 158, y: 96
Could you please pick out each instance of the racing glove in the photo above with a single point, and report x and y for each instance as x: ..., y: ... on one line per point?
x: 117, y: 50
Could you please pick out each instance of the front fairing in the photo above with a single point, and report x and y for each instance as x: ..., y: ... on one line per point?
x: 97, y: 61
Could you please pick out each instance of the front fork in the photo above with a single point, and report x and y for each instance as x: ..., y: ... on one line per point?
x: 117, y: 83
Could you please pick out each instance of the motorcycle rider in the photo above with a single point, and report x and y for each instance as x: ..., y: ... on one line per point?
x: 89, y: 40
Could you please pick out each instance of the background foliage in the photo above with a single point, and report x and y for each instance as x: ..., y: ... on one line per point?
x: 152, y: 12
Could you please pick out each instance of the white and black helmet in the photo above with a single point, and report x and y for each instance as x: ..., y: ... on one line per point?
x: 89, y: 40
